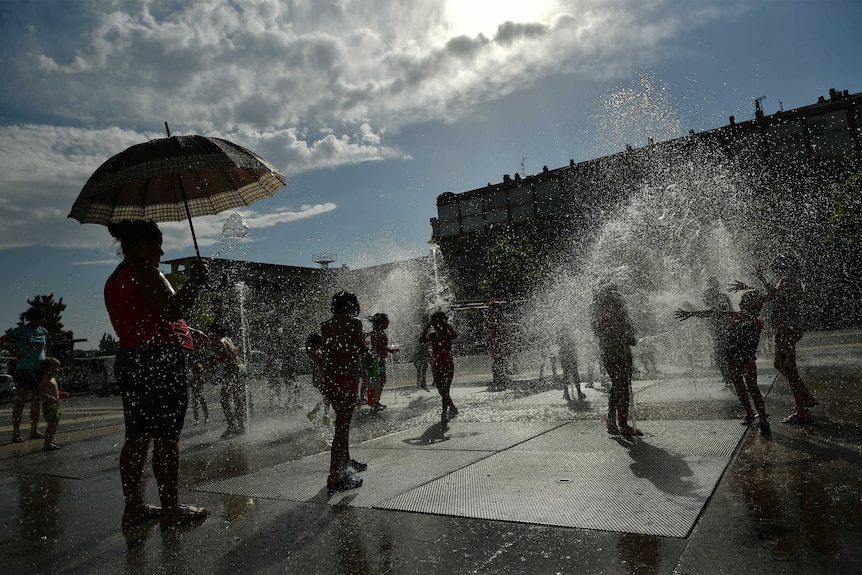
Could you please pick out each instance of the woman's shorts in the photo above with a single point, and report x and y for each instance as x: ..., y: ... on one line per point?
x: 153, y: 381
x: 27, y: 378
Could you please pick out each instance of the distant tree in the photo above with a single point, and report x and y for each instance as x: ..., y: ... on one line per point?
x: 59, y: 340
x: 842, y: 253
x: 845, y: 220
x: 512, y: 270
x: 108, y: 344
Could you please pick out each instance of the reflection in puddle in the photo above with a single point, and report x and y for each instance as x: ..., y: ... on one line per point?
x: 39, y: 507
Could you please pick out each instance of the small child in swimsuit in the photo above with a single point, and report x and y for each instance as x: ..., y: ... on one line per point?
x: 50, y: 393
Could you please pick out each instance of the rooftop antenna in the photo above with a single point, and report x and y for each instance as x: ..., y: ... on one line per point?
x: 523, y: 169
x: 324, y: 260
x: 758, y: 107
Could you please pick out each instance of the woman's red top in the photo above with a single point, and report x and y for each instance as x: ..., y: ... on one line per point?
x: 134, y: 320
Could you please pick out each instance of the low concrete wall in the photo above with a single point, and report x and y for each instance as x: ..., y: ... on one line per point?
x: 466, y: 369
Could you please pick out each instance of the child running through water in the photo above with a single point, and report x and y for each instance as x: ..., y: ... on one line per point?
x: 342, y: 347
x: 442, y: 362
x: 50, y: 393
x: 741, y: 335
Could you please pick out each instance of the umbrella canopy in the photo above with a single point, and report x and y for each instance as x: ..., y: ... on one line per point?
x: 175, y: 178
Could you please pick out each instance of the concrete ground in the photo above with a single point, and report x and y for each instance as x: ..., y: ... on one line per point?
x: 520, y: 482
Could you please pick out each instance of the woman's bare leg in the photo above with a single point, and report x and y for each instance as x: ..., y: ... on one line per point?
x: 166, y: 470
x: 133, y: 457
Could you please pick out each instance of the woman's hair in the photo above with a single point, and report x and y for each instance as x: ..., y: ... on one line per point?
x: 345, y: 301
x: 35, y: 313
x: 130, y: 232
x: 378, y: 320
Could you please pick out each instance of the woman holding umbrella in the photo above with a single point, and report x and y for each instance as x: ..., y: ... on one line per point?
x: 166, y: 180
x: 152, y: 369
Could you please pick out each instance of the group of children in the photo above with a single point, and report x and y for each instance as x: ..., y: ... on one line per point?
x: 739, y: 336
x: 341, y: 360
x: 371, y: 370
x: 736, y: 333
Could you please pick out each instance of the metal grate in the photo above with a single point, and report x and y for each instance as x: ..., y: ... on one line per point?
x: 572, y: 475
x: 586, y: 490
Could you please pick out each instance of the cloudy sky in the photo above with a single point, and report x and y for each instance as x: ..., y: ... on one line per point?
x: 371, y: 107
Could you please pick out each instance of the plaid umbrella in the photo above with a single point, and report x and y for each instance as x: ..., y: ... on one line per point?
x: 175, y: 178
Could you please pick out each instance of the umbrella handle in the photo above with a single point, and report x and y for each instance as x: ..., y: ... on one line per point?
x: 189, y: 215
x: 186, y: 203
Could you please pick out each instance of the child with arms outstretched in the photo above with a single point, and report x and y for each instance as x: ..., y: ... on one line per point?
x: 741, y: 337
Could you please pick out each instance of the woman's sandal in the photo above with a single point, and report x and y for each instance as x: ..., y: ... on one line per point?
x: 629, y: 431
x: 346, y: 483
x: 185, y: 514
x: 151, y: 513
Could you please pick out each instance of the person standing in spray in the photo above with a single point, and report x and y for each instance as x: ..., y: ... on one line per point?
x: 613, y: 328
x: 152, y: 369
x: 787, y: 310
x: 421, y: 355
x: 313, y: 349
x: 380, y: 350
x: 714, y: 299
x: 232, y: 393
x: 720, y: 304
x: 498, y: 344
x: 50, y: 393
x: 442, y: 362
x: 569, y: 362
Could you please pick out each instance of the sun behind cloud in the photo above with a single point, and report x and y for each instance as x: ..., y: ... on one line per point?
x: 472, y: 17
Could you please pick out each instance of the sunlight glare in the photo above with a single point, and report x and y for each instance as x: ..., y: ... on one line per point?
x: 472, y: 17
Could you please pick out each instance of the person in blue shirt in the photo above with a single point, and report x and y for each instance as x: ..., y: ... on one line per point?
x: 29, y: 342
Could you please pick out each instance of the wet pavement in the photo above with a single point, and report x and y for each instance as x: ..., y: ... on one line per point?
x: 520, y: 482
